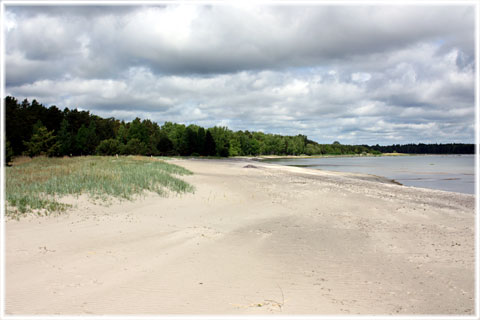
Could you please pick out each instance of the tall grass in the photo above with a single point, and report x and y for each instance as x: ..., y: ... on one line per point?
x: 37, y: 185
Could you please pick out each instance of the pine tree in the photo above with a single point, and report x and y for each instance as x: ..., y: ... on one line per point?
x: 64, y: 139
x: 42, y: 142
x: 81, y: 140
x: 210, y: 148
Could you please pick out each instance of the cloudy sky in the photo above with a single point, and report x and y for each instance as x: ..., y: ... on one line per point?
x: 358, y: 74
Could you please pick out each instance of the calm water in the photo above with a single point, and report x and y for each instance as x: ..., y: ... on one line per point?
x: 444, y: 172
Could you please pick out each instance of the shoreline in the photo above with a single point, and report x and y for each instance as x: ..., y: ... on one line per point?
x: 368, y: 176
x: 254, y: 239
x: 353, y: 175
x: 275, y: 157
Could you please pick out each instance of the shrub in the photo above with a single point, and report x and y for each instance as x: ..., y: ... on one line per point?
x: 109, y: 147
x: 135, y: 147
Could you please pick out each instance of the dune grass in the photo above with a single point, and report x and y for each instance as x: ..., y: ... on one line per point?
x: 37, y: 185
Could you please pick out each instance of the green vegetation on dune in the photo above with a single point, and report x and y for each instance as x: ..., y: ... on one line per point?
x: 38, y: 184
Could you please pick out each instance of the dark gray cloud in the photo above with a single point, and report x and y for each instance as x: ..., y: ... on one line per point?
x: 362, y: 74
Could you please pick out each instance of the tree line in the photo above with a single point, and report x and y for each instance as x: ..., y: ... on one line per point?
x: 422, y: 148
x: 33, y: 129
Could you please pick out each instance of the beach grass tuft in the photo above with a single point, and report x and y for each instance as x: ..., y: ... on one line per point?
x: 37, y: 185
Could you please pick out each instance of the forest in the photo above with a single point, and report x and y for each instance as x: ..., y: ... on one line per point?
x: 33, y: 129
x: 422, y: 148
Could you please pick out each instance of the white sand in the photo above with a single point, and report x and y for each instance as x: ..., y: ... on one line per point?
x: 265, y: 240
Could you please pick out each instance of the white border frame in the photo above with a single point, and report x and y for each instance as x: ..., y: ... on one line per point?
x: 476, y: 6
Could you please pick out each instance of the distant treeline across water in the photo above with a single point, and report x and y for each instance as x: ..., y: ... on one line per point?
x: 33, y: 129
x: 421, y: 148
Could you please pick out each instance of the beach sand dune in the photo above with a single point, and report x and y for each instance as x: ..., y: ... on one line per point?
x: 258, y: 239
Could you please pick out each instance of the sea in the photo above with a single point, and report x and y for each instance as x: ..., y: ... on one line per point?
x: 443, y: 172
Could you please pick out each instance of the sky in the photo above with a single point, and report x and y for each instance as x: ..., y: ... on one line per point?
x: 358, y: 74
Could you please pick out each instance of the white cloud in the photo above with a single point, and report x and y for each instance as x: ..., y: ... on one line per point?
x: 9, y: 21
x: 361, y: 76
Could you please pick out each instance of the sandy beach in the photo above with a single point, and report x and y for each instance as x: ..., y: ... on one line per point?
x: 253, y: 238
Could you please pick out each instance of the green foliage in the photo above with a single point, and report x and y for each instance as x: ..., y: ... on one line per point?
x: 434, y: 148
x: 210, y: 149
x: 92, y: 138
x: 17, y: 127
x: 137, y: 130
x: 310, y: 149
x: 64, y: 139
x: 152, y: 138
x: 200, y: 143
x: 165, y: 146
x: 8, y: 153
x: 221, y: 136
x: 81, y: 140
x: 190, y: 138
x: 81, y: 133
x: 296, y: 145
x: 109, y: 147
x: 122, y: 133
x: 38, y: 185
x: 135, y: 147
x: 86, y: 139
x: 235, y: 146
x: 42, y: 142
